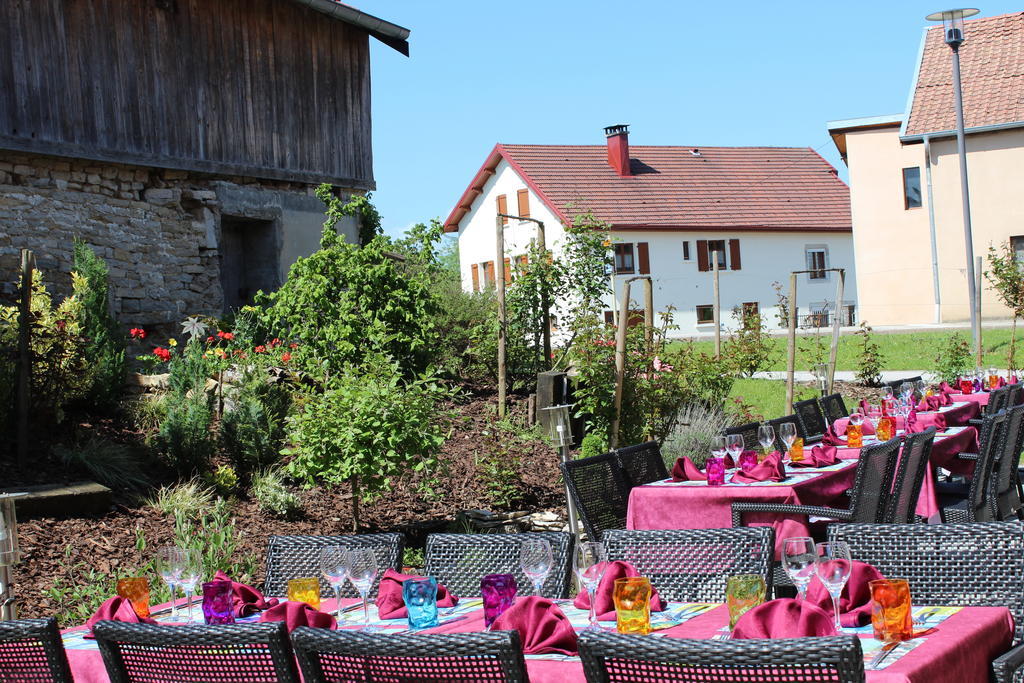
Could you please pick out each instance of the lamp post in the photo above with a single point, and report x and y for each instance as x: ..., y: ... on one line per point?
x: 560, y: 433
x: 953, y: 30
x: 9, y: 554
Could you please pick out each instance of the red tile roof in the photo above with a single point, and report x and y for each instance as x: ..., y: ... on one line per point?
x: 724, y: 188
x: 991, y: 72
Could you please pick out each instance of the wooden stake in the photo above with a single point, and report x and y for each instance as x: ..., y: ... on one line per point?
x: 835, y: 329
x: 977, y: 309
x: 499, y: 290
x: 28, y: 264
x: 791, y: 348
x: 620, y: 362
x: 545, y: 305
x: 717, y: 305
x: 648, y: 315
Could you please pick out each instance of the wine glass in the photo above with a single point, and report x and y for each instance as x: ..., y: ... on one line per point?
x: 718, y: 446
x: 734, y: 444
x: 362, y: 570
x: 169, y: 565
x: 907, y: 391
x: 833, y: 564
x: 766, y: 437
x: 589, y: 562
x: 536, y: 560
x: 787, y: 431
x: 887, y: 392
x: 798, y: 556
x: 334, y: 566
x: 191, y: 575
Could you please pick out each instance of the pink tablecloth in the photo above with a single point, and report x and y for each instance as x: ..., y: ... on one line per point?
x: 979, y: 397
x: 695, y: 505
x: 954, y: 416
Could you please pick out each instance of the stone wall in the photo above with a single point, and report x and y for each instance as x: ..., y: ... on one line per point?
x: 157, y: 229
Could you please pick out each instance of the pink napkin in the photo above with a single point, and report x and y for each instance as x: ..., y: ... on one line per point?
x: 685, y: 470
x: 295, y: 614
x: 390, y: 604
x: 542, y: 625
x: 918, y: 423
x: 770, y: 469
x: 855, y: 600
x: 819, y: 456
x: 929, y: 403
x: 785, y: 618
x: 116, y: 609
x: 604, y: 606
x: 1013, y: 379
x: 246, y: 600
x: 840, y: 425
x: 944, y: 399
x: 945, y: 389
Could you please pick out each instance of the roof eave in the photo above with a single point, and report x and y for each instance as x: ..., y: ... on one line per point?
x: 392, y: 35
x: 991, y: 128
x: 913, y: 84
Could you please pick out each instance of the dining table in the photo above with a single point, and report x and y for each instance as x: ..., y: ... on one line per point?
x: 955, y: 645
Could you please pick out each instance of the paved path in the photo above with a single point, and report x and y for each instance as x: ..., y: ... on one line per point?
x: 842, y: 375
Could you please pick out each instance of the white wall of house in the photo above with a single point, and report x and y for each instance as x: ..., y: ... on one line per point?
x: 765, y: 257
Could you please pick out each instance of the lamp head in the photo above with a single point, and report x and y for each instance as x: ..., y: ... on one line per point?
x: 953, y: 23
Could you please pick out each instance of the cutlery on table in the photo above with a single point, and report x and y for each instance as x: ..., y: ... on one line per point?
x: 882, y: 654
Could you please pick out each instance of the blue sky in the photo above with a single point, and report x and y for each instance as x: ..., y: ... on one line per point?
x: 679, y: 73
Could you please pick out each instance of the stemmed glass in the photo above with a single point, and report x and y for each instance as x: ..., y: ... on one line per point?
x: 191, y: 575
x: 907, y: 391
x: 170, y: 562
x: 734, y: 444
x: 334, y: 566
x: 833, y: 564
x: 362, y: 570
x: 787, y: 431
x: 798, y: 556
x: 536, y: 560
x: 718, y: 446
x: 873, y: 413
x: 589, y: 562
x: 766, y: 437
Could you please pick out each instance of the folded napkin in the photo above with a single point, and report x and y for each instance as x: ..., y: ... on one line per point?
x: 819, y: 456
x: 785, y: 618
x: 245, y: 599
x: 929, y: 403
x: 946, y: 390
x: 543, y: 627
x: 1013, y: 379
x: 604, y: 605
x: 391, y: 605
x: 838, y: 427
x: 116, y: 609
x: 295, y: 614
x: 855, y: 600
x: 918, y: 423
x: 770, y: 469
x: 685, y: 470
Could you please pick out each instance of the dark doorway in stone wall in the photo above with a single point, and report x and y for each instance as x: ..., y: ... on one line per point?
x: 249, y: 254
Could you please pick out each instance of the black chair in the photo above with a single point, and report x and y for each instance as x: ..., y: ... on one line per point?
x: 834, y: 407
x: 998, y: 400
x: 1016, y: 393
x: 600, y: 491
x: 978, y: 505
x: 1005, y: 481
x: 810, y: 420
x: 32, y: 650
x: 460, y: 560
x: 909, y: 477
x: 897, y: 383
x: 227, y: 653
x: 693, y: 565
x: 748, y: 432
x: 868, y: 497
x: 609, y: 657
x: 780, y: 445
x: 350, y: 656
x: 294, y: 557
x: 641, y: 464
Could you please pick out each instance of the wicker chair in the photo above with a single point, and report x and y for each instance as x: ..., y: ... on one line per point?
x: 460, y: 560
x: 868, y: 497
x: 748, y: 432
x: 1016, y: 394
x: 293, y: 557
x: 834, y: 407
x: 351, y: 656
x: 1006, y: 483
x: 897, y: 383
x: 979, y: 503
x: 228, y: 653
x: 909, y: 477
x: 693, y: 565
x: 642, y: 464
x: 780, y: 445
x: 810, y: 420
x: 32, y: 650
x: 617, y: 658
x: 600, y: 490
x: 998, y: 401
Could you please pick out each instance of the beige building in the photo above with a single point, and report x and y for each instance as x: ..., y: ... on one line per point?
x: 905, y: 197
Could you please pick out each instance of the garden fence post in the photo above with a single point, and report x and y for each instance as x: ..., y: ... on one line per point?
x: 791, y: 347
x: 977, y: 309
x: 28, y: 264
x: 648, y: 315
x: 499, y: 290
x: 835, y: 328
x: 545, y: 305
x: 717, y: 305
x: 620, y: 362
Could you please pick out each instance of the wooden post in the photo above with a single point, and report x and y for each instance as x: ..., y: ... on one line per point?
x: 28, y: 264
x: 648, y: 315
x: 717, y: 304
x: 977, y: 310
x: 620, y: 362
x: 835, y: 329
x: 499, y: 290
x: 791, y: 348
x: 545, y: 305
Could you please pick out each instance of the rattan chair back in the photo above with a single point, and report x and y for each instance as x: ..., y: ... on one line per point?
x: 693, y: 565
x: 1006, y: 482
x: 997, y: 400
x: 981, y: 505
x: 32, y: 650
x: 811, y: 419
x: 780, y: 445
x: 459, y: 561
x: 641, y: 464
x: 897, y: 383
x: 352, y: 656
x: 748, y: 432
x: 834, y: 407
x: 873, y: 481
x: 947, y: 564
x: 227, y: 653
x: 617, y: 658
x: 600, y: 490
x: 296, y: 557
x: 909, y: 477
x: 1016, y: 391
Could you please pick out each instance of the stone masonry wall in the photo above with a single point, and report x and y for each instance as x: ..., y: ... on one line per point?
x: 157, y: 229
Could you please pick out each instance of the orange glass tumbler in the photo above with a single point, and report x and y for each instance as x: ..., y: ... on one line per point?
x: 632, y: 598
x: 854, y: 436
x: 891, y: 612
x: 886, y: 428
x: 136, y: 590
x: 305, y: 590
x: 796, y: 451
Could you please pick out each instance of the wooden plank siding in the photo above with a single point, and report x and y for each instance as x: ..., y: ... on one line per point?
x: 259, y: 88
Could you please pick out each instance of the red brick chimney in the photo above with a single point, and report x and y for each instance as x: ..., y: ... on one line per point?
x: 618, y: 148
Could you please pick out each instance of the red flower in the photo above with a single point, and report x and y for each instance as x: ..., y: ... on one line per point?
x: 293, y: 346
x: 210, y: 340
x: 260, y: 349
x: 228, y: 335
x: 240, y: 353
x: 275, y: 342
x: 62, y: 325
x: 137, y: 333
x: 162, y: 354
x: 221, y: 333
x: 285, y: 357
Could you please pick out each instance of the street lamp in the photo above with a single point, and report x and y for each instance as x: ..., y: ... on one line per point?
x: 953, y: 30
x: 560, y: 434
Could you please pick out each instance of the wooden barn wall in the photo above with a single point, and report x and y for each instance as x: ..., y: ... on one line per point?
x: 266, y: 88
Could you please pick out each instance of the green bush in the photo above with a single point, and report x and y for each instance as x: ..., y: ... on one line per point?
x: 104, y: 350
x: 223, y: 480
x: 871, y: 360
x: 188, y: 499
x: 252, y: 431
x: 749, y: 348
x: 954, y: 359
x: 184, y: 438
x: 114, y: 465
x: 273, y: 496
x: 212, y: 534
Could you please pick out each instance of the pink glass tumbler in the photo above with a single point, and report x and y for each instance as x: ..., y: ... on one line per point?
x: 715, y: 469
x: 748, y: 460
x: 498, y: 592
x: 217, y: 599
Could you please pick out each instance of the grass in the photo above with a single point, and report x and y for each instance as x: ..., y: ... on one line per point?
x: 767, y: 397
x: 900, y: 350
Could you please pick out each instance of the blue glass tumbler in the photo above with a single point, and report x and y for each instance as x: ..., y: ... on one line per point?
x: 498, y: 592
x: 217, y: 602
x: 420, y: 597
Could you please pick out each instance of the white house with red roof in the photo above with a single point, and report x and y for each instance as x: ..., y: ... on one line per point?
x: 762, y: 211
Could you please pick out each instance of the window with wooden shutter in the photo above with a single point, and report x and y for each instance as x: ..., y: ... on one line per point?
x: 508, y: 270
x: 523, y: 196
x: 503, y: 208
x: 476, y: 277
x: 489, y: 274
x: 686, y: 250
x: 643, y: 257
x: 703, y: 262
x: 734, y: 254
x: 624, y: 258
x: 716, y: 249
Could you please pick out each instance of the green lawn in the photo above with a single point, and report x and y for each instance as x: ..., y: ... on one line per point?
x: 901, y: 350
x: 767, y: 397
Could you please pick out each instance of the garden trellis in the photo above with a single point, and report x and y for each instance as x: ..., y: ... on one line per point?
x: 791, y: 311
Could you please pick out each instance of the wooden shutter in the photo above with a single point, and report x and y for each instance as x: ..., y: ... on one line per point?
x: 508, y: 270
x: 643, y: 257
x: 702, y: 256
x: 734, y: 254
x: 476, y: 277
x: 503, y: 208
x: 523, y: 260
x: 524, y: 203
x: 609, y: 318
x: 489, y: 272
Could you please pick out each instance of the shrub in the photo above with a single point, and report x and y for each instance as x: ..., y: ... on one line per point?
x: 105, y: 346
x: 696, y: 425
x: 212, y: 534
x: 749, y: 349
x: 870, y: 361
x: 954, y: 359
x: 147, y: 411
x: 114, y: 465
x: 252, y: 431
x: 188, y: 499
x: 269, y: 490
x: 223, y: 480
x: 184, y: 438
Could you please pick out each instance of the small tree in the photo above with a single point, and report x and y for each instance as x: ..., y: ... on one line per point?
x: 1006, y: 278
x: 954, y: 359
x: 871, y: 360
x: 104, y: 350
x: 749, y: 348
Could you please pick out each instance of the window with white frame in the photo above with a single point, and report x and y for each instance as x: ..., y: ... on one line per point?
x: 816, y: 256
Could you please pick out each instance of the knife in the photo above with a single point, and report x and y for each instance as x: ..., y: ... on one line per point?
x: 880, y: 657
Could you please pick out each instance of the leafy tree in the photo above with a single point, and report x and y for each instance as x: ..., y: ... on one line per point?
x: 1006, y: 277
x: 954, y: 359
x: 871, y: 359
x: 104, y: 351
